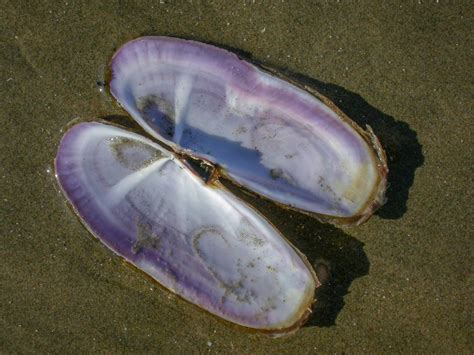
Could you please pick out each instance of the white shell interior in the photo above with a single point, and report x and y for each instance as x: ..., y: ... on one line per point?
x: 198, y: 241
x: 263, y: 145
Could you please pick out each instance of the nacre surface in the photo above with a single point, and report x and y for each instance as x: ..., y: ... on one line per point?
x: 196, y: 239
x: 147, y: 203
x: 266, y: 134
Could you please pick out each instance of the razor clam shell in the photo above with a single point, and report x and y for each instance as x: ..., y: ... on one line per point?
x: 197, y: 240
x: 266, y: 134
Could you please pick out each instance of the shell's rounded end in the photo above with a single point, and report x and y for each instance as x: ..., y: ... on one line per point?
x: 379, y: 193
x: 293, y: 329
x: 377, y: 198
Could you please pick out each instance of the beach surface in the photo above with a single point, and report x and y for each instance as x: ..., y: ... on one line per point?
x: 402, y: 282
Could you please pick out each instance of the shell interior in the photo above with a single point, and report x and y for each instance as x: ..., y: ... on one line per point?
x: 148, y: 205
x: 197, y: 240
x: 267, y: 135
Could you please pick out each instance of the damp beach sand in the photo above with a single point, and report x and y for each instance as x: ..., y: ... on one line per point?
x: 401, y: 282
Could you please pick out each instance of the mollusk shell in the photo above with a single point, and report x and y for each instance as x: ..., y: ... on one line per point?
x: 281, y: 141
x: 266, y: 134
x: 196, y: 239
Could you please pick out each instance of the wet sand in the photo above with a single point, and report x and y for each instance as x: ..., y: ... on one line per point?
x: 402, y: 282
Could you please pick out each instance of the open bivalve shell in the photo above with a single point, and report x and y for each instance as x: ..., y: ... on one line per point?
x: 147, y: 204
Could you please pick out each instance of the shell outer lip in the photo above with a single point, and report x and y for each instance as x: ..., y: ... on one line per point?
x: 271, y: 333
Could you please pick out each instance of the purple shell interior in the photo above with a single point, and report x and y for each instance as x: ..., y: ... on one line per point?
x: 200, y: 242
x: 268, y: 135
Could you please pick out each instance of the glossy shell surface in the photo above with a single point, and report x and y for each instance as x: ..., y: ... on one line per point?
x: 268, y: 135
x: 195, y: 239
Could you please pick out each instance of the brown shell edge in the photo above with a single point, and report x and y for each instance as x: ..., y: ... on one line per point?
x: 378, y: 194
